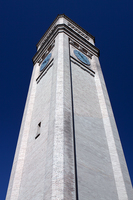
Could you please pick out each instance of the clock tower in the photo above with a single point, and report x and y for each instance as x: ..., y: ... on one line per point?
x: 68, y: 146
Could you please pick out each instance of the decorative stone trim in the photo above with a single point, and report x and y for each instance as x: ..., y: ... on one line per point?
x: 50, y: 32
x: 43, y: 52
x: 82, y: 66
x: 44, y: 71
x: 78, y: 31
x: 53, y: 25
x: 46, y: 53
x: 71, y: 34
x: 81, y: 48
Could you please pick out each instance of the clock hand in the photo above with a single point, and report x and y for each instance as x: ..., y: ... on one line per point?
x: 82, y: 57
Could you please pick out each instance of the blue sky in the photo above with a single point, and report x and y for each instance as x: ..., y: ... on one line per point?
x: 22, y: 25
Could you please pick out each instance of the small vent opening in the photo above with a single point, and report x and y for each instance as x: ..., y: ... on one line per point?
x: 38, y: 130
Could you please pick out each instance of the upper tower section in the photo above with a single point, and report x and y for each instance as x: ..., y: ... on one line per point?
x: 76, y: 34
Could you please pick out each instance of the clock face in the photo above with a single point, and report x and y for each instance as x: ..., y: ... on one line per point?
x: 81, y: 57
x: 45, y: 62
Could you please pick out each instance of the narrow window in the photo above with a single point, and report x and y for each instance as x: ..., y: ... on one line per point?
x: 38, y: 130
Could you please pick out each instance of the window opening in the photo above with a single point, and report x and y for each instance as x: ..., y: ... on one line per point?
x: 38, y: 130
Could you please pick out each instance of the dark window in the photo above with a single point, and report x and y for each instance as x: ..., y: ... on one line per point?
x: 38, y: 130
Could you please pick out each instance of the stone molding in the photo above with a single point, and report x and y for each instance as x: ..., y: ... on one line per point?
x: 50, y: 64
x: 81, y: 48
x: 43, y: 52
x: 82, y: 66
x: 71, y: 23
x: 71, y: 34
x: 78, y: 31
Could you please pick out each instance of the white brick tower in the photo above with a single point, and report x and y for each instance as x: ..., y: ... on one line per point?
x: 68, y: 146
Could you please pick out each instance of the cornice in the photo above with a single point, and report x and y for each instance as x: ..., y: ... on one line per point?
x: 71, y: 23
x: 71, y: 34
x: 78, y: 26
